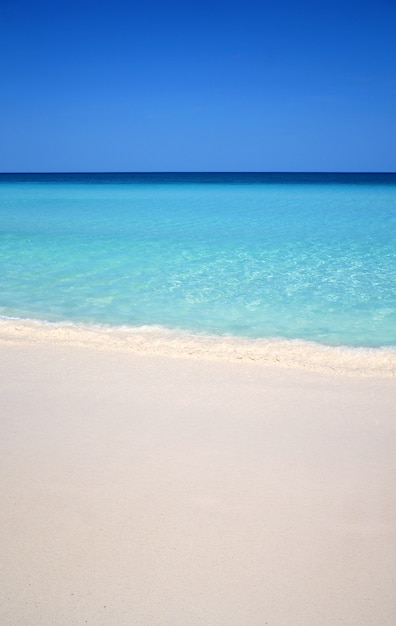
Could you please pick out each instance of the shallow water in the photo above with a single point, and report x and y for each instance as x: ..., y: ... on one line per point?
x: 251, y: 256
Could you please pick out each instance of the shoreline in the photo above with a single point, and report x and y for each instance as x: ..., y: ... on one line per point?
x: 155, y: 340
x: 166, y: 491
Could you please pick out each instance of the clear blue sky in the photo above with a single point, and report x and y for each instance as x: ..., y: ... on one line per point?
x: 202, y: 86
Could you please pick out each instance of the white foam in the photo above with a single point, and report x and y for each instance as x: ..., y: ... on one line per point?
x: 162, y: 341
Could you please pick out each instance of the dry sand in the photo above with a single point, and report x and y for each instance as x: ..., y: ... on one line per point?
x: 158, y: 491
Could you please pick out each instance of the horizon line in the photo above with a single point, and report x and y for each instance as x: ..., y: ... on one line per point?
x: 199, y: 172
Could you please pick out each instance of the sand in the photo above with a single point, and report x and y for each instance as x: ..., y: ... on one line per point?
x: 151, y: 490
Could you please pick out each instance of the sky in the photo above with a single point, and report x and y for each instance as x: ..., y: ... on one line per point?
x: 197, y: 86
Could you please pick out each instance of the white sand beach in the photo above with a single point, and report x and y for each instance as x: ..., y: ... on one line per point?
x: 167, y: 491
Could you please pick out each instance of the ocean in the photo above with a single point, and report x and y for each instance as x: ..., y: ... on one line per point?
x: 307, y: 257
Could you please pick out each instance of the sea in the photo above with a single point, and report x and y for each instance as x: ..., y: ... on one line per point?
x: 305, y: 259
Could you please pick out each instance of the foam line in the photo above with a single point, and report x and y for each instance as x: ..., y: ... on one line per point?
x: 162, y: 341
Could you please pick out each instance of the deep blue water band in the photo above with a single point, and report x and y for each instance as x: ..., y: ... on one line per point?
x: 384, y: 178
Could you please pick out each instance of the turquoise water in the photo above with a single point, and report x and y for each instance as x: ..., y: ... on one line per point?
x: 295, y: 256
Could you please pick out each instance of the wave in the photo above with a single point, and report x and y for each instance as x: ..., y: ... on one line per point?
x: 156, y: 340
